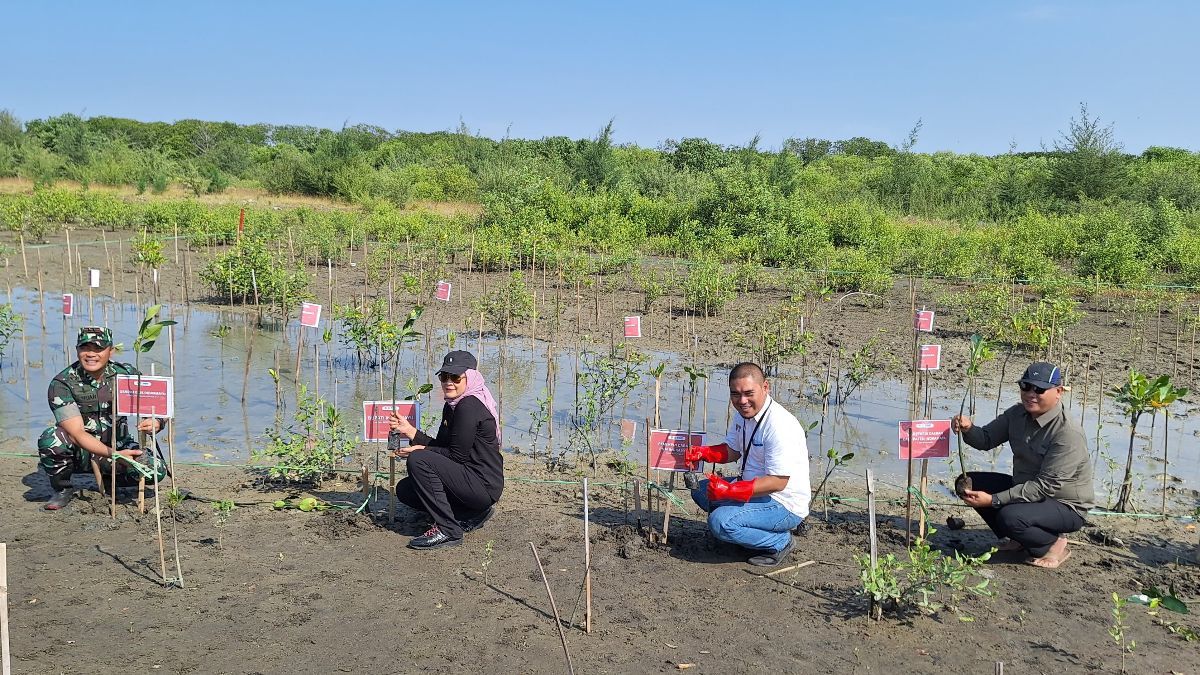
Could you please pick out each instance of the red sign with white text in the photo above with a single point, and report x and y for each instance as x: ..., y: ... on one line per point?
x: 310, y: 314
x: 633, y: 326
x: 442, y: 292
x: 668, y: 445
x: 145, y: 396
x: 923, y: 320
x: 377, y: 416
x: 930, y: 439
x: 931, y: 357
x: 68, y: 304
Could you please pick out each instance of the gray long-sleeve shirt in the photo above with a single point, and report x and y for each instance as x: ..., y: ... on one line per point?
x: 1050, y: 456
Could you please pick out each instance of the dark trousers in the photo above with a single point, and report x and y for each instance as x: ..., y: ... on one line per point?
x: 444, y: 489
x: 1033, y: 525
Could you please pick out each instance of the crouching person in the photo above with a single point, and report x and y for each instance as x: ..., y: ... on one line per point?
x: 81, y: 399
x: 457, y: 476
x: 759, y: 509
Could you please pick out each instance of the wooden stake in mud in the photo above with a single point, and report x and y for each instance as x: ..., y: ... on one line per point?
x: 562, y: 636
x: 587, y: 562
x: 162, y: 553
x: 112, y: 458
x: 70, y: 263
x: 649, y: 488
x: 24, y: 261
x: 5, y: 654
x: 391, y: 517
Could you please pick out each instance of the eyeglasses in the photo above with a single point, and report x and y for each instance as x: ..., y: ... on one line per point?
x: 450, y: 377
x: 1026, y: 386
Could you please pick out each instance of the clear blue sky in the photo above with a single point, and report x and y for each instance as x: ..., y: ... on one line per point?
x: 979, y: 74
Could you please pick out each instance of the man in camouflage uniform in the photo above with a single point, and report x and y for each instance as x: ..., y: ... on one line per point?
x: 81, y: 398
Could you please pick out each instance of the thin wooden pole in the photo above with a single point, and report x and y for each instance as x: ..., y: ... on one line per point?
x: 874, y: 543
x: 6, y: 661
x: 562, y: 636
x: 391, y: 490
x: 162, y: 553
x: 587, y: 562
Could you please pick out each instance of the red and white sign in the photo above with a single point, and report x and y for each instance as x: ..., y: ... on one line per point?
x: 930, y: 439
x: 633, y: 326
x: 146, y: 396
x: 442, y: 292
x: 94, y: 278
x: 923, y: 320
x: 68, y: 304
x: 628, y: 430
x: 377, y: 416
x: 668, y: 445
x: 931, y: 357
x: 310, y: 314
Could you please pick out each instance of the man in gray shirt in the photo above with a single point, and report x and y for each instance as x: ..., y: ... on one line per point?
x: 1051, y: 487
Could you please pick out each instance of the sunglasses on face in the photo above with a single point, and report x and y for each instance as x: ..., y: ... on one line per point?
x: 1025, y: 386
x: 450, y: 377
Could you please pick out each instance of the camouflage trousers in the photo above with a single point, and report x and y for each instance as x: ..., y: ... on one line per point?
x: 60, y: 458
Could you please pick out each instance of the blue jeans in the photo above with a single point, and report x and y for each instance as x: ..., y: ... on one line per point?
x: 761, y: 524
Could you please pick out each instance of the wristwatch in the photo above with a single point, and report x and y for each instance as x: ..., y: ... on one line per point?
x: 995, y: 501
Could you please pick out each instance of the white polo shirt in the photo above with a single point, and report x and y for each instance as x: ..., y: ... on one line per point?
x: 773, y: 444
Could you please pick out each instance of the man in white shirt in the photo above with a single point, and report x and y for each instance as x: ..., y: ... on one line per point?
x: 758, y: 510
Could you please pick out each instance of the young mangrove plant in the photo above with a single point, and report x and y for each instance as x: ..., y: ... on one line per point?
x: 315, y: 442
x: 605, y: 379
x: 1117, y: 630
x: 922, y: 582
x: 407, y: 333
x: 1137, y: 396
x: 980, y: 352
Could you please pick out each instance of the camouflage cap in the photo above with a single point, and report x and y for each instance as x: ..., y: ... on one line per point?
x: 97, y: 335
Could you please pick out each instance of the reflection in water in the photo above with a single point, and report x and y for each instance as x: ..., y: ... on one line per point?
x: 215, y: 421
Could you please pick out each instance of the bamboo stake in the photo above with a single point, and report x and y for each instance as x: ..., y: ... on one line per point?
x: 874, y: 543
x: 112, y: 459
x: 70, y: 263
x: 562, y: 636
x: 587, y: 562
x: 391, y: 516
x: 24, y: 261
x: 162, y: 554
x: 6, y: 661
x: 171, y: 456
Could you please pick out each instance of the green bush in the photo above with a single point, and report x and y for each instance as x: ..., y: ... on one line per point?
x: 509, y: 304
x: 707, y: 288
x: 235, y: 272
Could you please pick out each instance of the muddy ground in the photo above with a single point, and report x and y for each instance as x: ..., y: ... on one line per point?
x: 285, y: 591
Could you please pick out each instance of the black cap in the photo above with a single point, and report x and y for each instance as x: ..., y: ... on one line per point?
x: 1042, y: 374
x: 458, y: 362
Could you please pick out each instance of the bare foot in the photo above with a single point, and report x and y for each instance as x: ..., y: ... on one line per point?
x: 1055, y: 557
x: 1009, y: 545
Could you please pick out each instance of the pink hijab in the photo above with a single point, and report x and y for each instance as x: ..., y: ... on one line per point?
x: 478, y: 388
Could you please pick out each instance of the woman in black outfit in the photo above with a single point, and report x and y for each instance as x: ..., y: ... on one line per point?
x: 458, y: 476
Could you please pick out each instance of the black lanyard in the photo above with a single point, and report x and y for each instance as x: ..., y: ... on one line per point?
x: 745, y: 446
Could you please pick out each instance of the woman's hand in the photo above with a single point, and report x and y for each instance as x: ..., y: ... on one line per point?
x: 407, y: 450
x: 399, y: 423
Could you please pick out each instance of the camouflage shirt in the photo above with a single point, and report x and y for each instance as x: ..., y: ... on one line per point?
x: 73, y: 393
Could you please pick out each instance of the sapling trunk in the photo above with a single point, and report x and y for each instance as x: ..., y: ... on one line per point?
x: 963, y: 482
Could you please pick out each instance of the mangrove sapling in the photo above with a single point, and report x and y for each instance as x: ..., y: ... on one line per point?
x: 407, y: 333
x: 980, y: 352
x: 1138, y: 395
x: 1117, y: 630
x: 900, y: 586
x: 222, y: 509
x: 833, y: 460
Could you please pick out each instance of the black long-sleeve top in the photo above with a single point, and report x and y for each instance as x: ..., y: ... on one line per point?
x: 468, y: 436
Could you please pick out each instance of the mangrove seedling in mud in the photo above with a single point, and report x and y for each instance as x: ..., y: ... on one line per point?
x: 222, y: 510
x: 605, y: 379
x: 1137, y: 396
x: 1117, y: 630
x: 10, y: 325
x: 306, y: 450
x: 776, y: 336
x: 980, y: 352
x: 927, y: 582
x: 833, y: 460
x: 693, y: 375
x: 509, y: 304
x: 863, y: 364
x: 407, y: 333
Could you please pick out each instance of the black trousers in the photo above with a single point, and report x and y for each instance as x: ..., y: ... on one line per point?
x: 1033, y: 525
x: 444, y: 489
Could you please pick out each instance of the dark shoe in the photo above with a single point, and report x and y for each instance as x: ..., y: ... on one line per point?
x: 472, y: 524
x: 801, y: 529
x: 772, y: 559
x: 60, y: 499
x: 433, y: 538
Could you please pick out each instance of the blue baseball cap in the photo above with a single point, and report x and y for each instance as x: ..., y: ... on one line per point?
x: 1042, y: 374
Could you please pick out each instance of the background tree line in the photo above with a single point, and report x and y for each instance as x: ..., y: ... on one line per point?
x: 1083, y: 207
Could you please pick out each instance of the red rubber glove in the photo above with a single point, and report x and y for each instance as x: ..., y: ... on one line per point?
x: 721, y: 490
x: 718, y: 454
